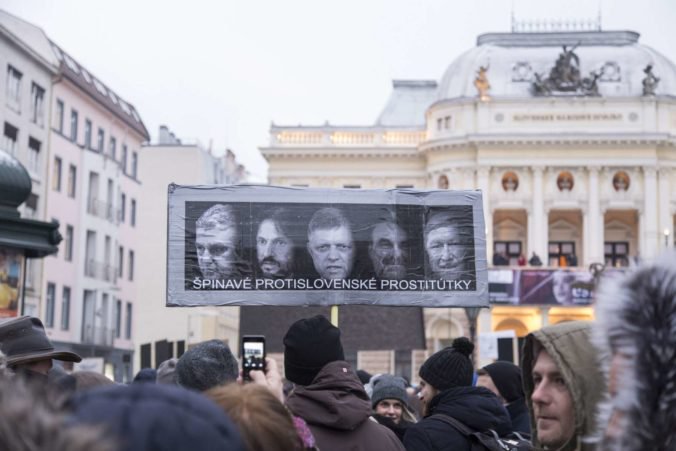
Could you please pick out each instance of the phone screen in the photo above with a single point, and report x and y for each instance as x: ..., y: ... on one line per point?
x: 253, y: 356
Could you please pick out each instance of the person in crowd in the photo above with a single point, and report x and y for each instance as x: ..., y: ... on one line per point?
x: 263, y: 421
x: 500, y: 259
x: 207, y: 365
x: 364, y: 376
x: 389, y: 249
x: 156, y: 417
x: 572, y: 260
x: 276, y: 247
x: 166, y: 372
x: 328, y: 394
x: 330, y: 244
x: 522, y: 260
x: 28, y: 351
x: 390, y: 404
x: 146, y: 376
x: 535, y: 260
x: 447, y: 391
x: 87, y: 380
x: 504, y: 379
x: 636, y: 329
x: 32, y: 419
x: 448, y: 246
x: 563, y: 384
x: 217, y: 243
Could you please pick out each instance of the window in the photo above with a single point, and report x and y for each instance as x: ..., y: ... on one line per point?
x: 73, y: 125
x: 447, y: 122
x: 88, y: 134
x: 56, y: 174
x: 58, y: 117
x: 127, y: 332
x: 112, y: 148
x: 404, y: 186
x: 561, y: 252
x: 49, y: 307
x: 11, y: 138
x: 440, y: 121
x: 65, y: 309
x: 37, y: 105
x: 132, y: 213
x: 616, y: 253
x: 31, y: 210
x: 13, y: 89
x: 131, y: 265
x: 34, y: 156
x: 72, y: 180
x: 123, y: 207
x: 123, y: 159
x: 100, y: 139
x: 118, y: 318
x: 352, y: 186
x: 68, y: 243
x: 134, y: 164
x: 506, y: 253
x: 120, y: 262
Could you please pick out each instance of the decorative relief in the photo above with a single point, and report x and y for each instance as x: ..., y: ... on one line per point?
x: 565, y: 181
x: 621, y: 181
x: 610, y: 72
x: 510, y: 181
x: 443, y: 182
x: 522, y: 71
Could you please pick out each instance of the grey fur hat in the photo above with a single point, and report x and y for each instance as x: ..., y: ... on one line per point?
x: 166, y: 372
x: 636, y: 328
x: 389, y: 387
x: 207, y: 365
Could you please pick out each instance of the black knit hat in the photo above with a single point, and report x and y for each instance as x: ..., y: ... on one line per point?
x: 389, y: 387
x: 450, y: 367
x: 309, y: 345
x: 507, y: 379
x: 207, y: 365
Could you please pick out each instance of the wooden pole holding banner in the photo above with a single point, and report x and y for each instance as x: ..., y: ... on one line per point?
x: 334, y: 315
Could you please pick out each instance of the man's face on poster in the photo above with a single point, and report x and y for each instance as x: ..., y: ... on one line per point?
x: 389, y: 251
x: 216, y: 251
x: 562, y: 287
x: 274, y: 251
x: 446, y: 252
x: 332, y: 252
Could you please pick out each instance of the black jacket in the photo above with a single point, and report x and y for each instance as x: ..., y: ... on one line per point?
x: 476, y: 407
x: 518, y: 412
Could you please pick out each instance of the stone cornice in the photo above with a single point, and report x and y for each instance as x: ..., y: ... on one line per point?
x: 334, y: 151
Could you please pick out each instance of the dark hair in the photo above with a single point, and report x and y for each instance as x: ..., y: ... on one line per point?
x: 217, y: 216
x: 328, y: 218
x: 263, y: 421
x: 285, y: 222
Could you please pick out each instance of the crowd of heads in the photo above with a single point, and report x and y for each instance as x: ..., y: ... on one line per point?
x: 607, y: 385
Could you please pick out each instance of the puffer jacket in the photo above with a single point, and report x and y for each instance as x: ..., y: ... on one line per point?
x: 476, y: 407
x: 569, y: 345
x: 337, y: 410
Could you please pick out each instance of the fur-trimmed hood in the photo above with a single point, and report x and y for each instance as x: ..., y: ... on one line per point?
x: 636, y: 328
x: 569, y: 345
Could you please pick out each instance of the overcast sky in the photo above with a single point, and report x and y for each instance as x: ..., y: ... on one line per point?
x: 221, y: 71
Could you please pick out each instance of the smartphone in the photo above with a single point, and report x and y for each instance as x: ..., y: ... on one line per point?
x: 253, y: 354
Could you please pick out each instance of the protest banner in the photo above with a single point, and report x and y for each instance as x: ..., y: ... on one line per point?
x: 266, y: 245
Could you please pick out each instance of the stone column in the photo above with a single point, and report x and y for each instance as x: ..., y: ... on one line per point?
x: 649, y: 232
x: 537, y: 241
x: 594, y: 224
x: 483, y: 183
x: 666, y: 218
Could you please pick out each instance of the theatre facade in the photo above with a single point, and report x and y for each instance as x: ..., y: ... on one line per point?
x: 569, y: 135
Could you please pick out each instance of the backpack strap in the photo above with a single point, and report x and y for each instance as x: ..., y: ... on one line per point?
x: 460, y: 427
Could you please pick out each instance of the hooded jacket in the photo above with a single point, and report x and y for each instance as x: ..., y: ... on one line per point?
x: 569, y: 345
x: 636, y: 324
x: 476, y: 407
x: 337, y: 410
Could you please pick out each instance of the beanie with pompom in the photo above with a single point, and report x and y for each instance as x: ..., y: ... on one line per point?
x: 450, y: 367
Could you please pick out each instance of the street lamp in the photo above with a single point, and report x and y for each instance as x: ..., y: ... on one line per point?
x: 666, y: 237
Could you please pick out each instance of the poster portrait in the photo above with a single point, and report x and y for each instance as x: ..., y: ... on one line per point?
x: 266, y: 245
x: 564, y: 287
x: 11, y: 262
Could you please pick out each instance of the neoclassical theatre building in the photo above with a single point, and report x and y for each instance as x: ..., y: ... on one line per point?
x: 570, y: 135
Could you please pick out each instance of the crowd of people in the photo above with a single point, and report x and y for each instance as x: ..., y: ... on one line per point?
x: 607, y: 385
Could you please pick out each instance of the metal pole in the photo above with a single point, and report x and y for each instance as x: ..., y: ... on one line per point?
x: 23, y: 286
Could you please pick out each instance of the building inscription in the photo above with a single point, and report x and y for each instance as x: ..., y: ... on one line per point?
x: 559, y: 117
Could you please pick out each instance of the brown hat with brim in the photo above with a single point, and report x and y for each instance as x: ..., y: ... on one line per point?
x: 23, y: 340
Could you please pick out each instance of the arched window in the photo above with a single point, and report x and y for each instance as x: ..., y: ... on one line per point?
x: 510, y: 181
x: 565, y: 181
x: 443, y: 182
x: 621, y: 181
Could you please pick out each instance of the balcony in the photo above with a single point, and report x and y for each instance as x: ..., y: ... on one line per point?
x: 102, y: 210
x: 99, y: 336
x: 101, y: 271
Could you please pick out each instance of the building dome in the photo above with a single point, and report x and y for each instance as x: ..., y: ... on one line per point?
x: 514, y: 60
x: 15, y: 183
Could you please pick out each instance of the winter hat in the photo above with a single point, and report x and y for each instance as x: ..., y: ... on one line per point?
x: 364, y: 376
x: 389, y: 387
x: 166, y: 373
x: 507, y: 379
x: 146, y: 375
x: 310, y: 344
x: 158, y: 417
x: 207, y: 365
x: 450, y: 367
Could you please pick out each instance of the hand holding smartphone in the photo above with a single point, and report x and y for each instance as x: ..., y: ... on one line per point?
x: 253, y: 355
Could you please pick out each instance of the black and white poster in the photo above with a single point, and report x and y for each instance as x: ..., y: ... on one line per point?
x: 266, y: 245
